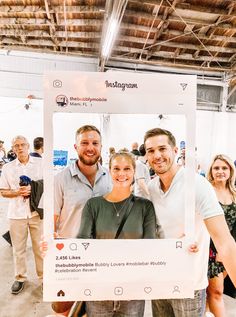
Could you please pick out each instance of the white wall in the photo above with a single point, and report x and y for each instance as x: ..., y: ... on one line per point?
x: 215, y: 134
x: 16, y: 120
x: 215, y: 131
x: 21, y: 73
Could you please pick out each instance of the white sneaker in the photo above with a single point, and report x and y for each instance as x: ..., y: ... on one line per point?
x: 208, y: 314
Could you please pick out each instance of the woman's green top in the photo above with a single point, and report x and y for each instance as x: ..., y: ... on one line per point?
x: 101, y: 219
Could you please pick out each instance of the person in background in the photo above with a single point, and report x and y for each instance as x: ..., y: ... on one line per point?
x: 101, y: 218
x: 181, y: 158
x: 167, y: 192
x: 2, y: 155
x: 2, y: 150
x: 38, y: 147
x: 11, y: 155
x: 135, y: 150
x: 112, y: 151
x: 221, y: 175
x: 142, y: 175
x: 21, y: 218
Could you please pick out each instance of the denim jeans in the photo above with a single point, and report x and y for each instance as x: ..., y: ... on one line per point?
x: 132, y: 308
x: 184, y: 307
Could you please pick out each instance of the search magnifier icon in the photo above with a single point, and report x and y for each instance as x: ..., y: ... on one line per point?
x: 87, y: 292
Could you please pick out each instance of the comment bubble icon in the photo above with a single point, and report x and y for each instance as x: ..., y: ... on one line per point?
x: 73, y: 246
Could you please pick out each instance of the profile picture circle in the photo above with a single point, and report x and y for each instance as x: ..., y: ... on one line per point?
x: 62, y: 100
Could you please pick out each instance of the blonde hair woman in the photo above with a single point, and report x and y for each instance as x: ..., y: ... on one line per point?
x: 102, y: 218
x: 222, y: 177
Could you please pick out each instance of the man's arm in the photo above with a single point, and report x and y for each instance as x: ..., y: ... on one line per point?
x: 23, y: 191
x: 224, y: 243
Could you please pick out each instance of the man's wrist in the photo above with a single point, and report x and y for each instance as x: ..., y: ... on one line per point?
x: 15, y: 192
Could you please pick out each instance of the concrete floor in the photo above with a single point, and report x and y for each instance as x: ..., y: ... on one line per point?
x: 29, y: 302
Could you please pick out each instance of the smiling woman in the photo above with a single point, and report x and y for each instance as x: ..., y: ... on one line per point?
x: 222, y: 177
x: 118, y: 214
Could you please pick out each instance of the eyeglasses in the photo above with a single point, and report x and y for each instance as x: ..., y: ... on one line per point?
x: 17, y: 146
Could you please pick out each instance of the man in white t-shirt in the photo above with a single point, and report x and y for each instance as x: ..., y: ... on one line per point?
x: 167, y: 195
x: 21, y: 218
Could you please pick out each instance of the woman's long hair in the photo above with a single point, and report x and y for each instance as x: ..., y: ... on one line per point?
x: 230, y: 183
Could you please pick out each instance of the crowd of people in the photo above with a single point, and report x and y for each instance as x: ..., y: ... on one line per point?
x: 140, y: 196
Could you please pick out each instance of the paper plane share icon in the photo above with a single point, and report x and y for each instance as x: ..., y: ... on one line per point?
x: 85, y: 245
x: 183, y: 85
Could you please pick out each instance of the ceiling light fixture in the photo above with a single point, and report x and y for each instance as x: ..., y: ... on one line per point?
x: 113, y: 27
x: 110, y: 37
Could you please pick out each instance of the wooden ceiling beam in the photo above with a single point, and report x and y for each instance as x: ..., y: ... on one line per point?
x: 180, y: 45
x: 196, y: 47
x: 52, y: 23
x: 232, y: 58
x: 177, y: 64
x: 20, y: 9
x: 122, y: 38
x: 127, y: 51
x: 5, y: 22
x: 212, y: 10
x: 17, y: 30
x: 174, y: 33
x: 42, y: 34
x: 50, y: 43
x: 231, y: 8
x: 95, y: 46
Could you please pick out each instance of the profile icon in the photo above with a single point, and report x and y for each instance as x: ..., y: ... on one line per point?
x: 62, y: 100
x: 176, y: 289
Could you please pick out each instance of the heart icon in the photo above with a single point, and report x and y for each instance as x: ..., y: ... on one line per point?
x: 60, y: 246
x: 147, y: 290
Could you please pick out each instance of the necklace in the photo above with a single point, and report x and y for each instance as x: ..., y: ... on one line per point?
x: 121, y: 208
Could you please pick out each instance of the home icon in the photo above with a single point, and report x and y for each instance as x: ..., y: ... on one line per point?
x: 60, y: 293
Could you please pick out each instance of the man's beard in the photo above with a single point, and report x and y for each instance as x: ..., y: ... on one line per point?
x: 89, y: 161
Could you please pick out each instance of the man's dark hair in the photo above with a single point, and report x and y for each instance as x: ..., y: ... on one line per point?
x: 38, y: 143
x: 157, y: 131
x: 142, y: 150
x: 86, y: 128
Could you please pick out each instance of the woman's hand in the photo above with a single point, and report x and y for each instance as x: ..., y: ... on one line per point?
x: 193, y: 248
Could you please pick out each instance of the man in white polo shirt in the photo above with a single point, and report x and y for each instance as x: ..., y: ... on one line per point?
x: 83, y: 179
x: 21, y: 218
x: 167, y: 194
